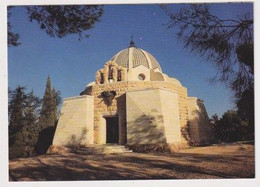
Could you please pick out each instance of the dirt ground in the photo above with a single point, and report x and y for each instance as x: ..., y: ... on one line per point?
x: 216, y: 161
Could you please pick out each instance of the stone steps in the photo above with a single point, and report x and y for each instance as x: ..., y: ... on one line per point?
x: 103, y: 149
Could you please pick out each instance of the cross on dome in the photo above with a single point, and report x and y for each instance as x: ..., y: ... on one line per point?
x: 132, y: 43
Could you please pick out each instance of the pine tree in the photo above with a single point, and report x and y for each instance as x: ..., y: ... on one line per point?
x: 60, y: 21
x: 23, y: 130
x: 228, y: 43
x: 16, y: 109
x: 31, y: 128
x: 47, y: 117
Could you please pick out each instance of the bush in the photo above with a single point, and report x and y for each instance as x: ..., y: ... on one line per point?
x: 16, y: 147
x: 230, y: 127
x: 21, y: 144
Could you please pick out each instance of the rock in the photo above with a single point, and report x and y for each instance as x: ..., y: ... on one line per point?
x: 57, y: 150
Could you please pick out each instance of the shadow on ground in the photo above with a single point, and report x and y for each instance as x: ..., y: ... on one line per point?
x: 191, y: 165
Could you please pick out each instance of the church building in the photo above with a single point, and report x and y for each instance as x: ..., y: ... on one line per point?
x: 132, y: 102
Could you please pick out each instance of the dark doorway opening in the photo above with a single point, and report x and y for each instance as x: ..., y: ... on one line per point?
x: 112, y: 130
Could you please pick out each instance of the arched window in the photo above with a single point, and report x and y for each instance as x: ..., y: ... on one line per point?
x: 110, y: 72
x: 101, y: 78
x: 119, y: 75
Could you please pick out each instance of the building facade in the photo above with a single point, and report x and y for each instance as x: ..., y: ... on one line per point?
x: 132, y: 102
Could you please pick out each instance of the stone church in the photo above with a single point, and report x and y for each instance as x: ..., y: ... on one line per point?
x: 132, y: 102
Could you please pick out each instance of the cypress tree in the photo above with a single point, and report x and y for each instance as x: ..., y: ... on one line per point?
x: 47, y: 117
x: 55, y: 104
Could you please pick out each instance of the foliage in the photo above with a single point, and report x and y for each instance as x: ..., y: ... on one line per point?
x: 214, y: 119
x: 29, y: 131
x: 55, y: 104
x: 48, y: 117
x: 230, y: 127
x: 227, y: 43
x: 49, y: 107
x: 16, y: 107
x: 22, y: 144
x: 59, y: 21
x: 216, y: 39
x: 246, y: 109
x: 245, y: 95
x: 23, y: 129
x: 12, y: 38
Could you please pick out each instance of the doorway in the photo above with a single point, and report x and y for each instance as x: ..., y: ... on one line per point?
x: 112, y: 131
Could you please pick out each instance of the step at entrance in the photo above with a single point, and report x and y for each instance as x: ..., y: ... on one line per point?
x: 103, y: 149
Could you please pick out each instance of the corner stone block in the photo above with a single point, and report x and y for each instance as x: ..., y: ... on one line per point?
x: 76, y: 123
x: 152, y: 117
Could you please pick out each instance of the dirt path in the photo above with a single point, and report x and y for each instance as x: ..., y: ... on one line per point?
x: 218, y: 161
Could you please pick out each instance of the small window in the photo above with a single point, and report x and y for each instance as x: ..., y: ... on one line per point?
x: 110, y: 72
x: 119, y: 75
x: 101, y: 78
x: 141, y: 77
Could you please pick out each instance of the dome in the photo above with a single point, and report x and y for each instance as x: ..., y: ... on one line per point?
x: 175, y: 81
x: 133, y: 57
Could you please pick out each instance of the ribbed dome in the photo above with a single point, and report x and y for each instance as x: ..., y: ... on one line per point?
x: 133, y: 57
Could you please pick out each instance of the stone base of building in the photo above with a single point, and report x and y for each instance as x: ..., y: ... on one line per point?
x: 114, y: 148
x: 89, y: 149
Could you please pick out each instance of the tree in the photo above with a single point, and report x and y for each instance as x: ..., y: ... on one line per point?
x: 31, y: 128
x: 48, y: 117
x: 55, y: 104
x: 59, y: 21
x: 23, y: 115
x: 214, y: 119
x: 230, y: 127
x: 47, y: 114
x: 218, y: 40
x: 245, y: 97
x: 16, y: 105
x: 12, y: 38
x: 30, y: 131
x: 246, y: 109
x: 227, y: 43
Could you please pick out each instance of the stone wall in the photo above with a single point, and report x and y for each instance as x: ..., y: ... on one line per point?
x: 75, y: 126
x: 170, y: 113
x: 154, y: 120
x: 132, y: 74
x: 199, y: 127
x: 118, y: 104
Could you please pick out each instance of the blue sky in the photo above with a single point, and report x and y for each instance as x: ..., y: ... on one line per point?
x: 72, y: 64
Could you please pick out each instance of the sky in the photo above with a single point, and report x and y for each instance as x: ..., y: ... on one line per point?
x: 72, y: 64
